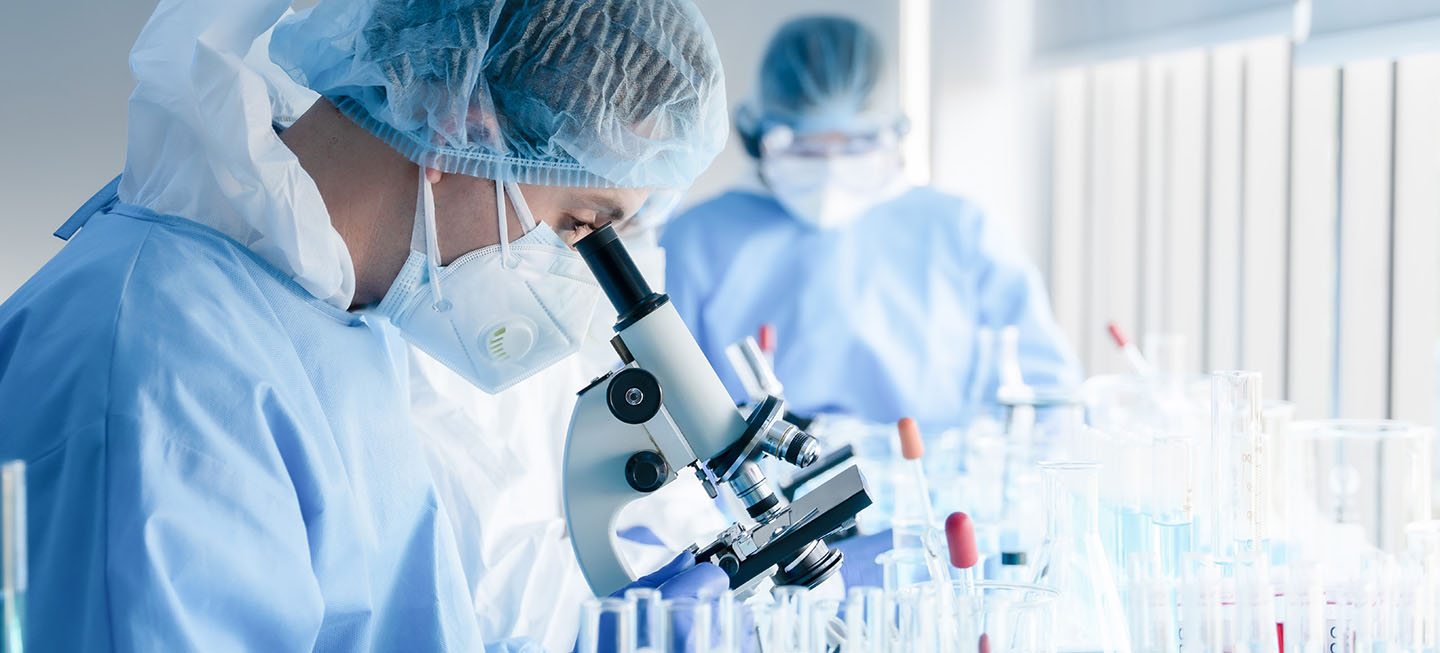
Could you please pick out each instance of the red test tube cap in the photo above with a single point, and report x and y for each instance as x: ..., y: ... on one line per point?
x: 1117, y: 335
x: 767, y: 338
x: 960, y: 535
x: 911, y: 446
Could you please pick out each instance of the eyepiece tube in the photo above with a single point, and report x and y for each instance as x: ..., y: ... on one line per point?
x: 622, y: 282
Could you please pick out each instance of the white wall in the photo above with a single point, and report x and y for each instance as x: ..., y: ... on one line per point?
x: 65, y: 79
x: 991, y: 115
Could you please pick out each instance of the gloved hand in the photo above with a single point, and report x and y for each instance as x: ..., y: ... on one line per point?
x: 682, y: 577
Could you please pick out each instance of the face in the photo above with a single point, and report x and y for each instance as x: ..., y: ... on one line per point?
x: 465, y: 211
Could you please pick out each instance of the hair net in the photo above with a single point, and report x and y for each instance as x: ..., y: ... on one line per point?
x: 821, y: 73
x: 553, y: 92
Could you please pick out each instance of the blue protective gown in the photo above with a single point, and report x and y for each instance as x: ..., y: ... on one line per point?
x: 217, y: 461
x: 876, y: 319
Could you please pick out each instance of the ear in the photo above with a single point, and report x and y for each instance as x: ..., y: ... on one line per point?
x: 433, y: 175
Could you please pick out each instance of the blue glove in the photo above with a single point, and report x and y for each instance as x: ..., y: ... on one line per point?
x: 682, y: 578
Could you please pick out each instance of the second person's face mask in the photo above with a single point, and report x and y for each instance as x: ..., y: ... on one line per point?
x: 496, y: 315
x: 829, y: 192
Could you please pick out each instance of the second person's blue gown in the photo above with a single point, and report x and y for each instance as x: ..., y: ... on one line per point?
x: 877, y: 319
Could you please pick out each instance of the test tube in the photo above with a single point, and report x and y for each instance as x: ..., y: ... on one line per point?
x: 689, y: 626
x: 725, y: 615
x: 788, y: 630
x: 1201, y: 620
x: 916, y: 620
x: 827, y: 631
x: 1237, y: 450
x: 14, y: 565
x: 607, y: 625
x: 1254, y: 605
x: 1149, y: 605
x: 650, y: 619
x: 865, y: 613
x: 1304, y: 609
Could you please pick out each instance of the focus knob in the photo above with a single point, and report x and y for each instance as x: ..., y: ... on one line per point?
x: 646, y: 471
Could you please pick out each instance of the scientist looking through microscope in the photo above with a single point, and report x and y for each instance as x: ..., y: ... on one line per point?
x: 221, y: 454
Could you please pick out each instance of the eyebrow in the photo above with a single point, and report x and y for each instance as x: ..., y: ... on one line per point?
x: 604, y: 205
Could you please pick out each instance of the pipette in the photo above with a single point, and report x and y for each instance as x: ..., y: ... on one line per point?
x: 1132, y: 353
x: 964, y: 554
x: 913, y: 514
x: 766, y: 338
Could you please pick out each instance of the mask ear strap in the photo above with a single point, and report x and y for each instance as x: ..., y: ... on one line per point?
x: 522, y: 208
x: 425, y: 232
x: 504, y: 224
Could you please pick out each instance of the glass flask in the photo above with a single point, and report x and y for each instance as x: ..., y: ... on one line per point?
x: 1088, y: 613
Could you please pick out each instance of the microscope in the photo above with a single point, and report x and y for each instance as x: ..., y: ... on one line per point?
x: 663, y: 410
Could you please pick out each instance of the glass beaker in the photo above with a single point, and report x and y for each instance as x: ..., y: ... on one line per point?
x: 1374, y: 474
x: 1174, y: 470
x: 998, y: 617
x: 1238, y: 452
x: 1089, y: 615
x: 14, y: 565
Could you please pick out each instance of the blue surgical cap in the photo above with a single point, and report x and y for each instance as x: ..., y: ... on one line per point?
x: 605, y: 93
x: 821, y: 73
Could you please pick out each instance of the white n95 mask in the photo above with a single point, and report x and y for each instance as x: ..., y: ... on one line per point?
x: 832, y: 191
x: 496, y: 315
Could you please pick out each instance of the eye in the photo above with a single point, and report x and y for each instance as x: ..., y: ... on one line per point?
x: 573, y: 223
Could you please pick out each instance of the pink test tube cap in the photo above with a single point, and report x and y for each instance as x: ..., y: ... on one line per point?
x: 911, y: 446
x: 960, y: 535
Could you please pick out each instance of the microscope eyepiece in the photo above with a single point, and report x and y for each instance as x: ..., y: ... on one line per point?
x: 618, y: 276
